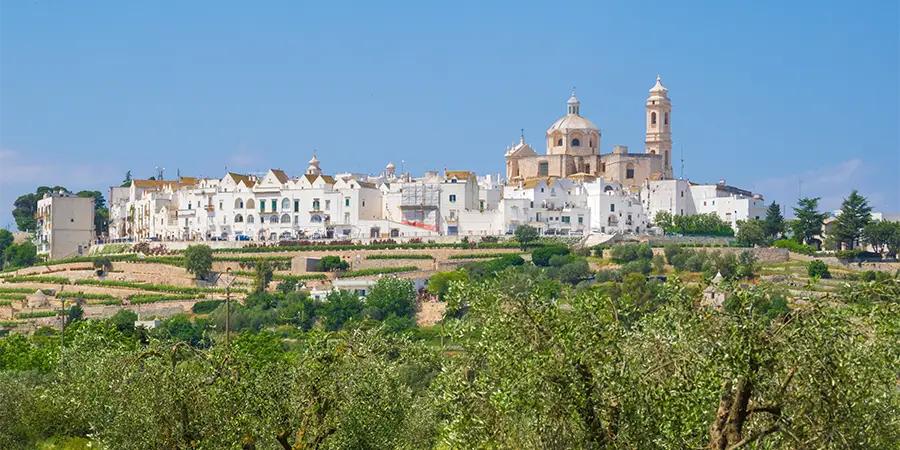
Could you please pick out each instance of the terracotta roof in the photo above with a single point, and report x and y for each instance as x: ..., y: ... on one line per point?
x: 533, y: 182
x: 656, y: 176
x: 188, y: 180
x: 328, y: 179
x: 238, y: 177
x: 458, y: 174
x: 366, y: 184
x: 280, y: 175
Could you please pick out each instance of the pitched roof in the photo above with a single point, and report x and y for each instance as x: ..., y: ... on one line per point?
x: 533, y: 182
x: 366, y: 184
x: 154, y: 184
x: 280, y: 175
x: 458, y: 174
x: 238, y: 177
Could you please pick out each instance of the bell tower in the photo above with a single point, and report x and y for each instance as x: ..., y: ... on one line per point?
x: 659, y: 125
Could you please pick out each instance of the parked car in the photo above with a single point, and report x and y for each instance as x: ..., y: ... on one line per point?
x: 241, y: 237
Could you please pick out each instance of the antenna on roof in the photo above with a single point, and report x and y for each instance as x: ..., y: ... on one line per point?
x: 159, y: 172
x: 682, y: 161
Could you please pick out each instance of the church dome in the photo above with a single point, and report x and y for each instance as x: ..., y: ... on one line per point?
x: 572, y: 122
x: 391, y: 166
x: 573, y: 119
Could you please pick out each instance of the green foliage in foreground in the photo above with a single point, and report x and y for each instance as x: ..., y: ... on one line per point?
x: 611, y: 372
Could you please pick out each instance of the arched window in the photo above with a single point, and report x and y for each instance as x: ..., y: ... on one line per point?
x: 608, y: 188
x: 576, y: 142
x: 285, y: 218
x: 250, y: 218
x: 559, y: 143
x: 543, y: 169
x: 250, y: 204
x: 591, y: 143
x: 653, y: 118
x: 238, y: 204
x: 315, y: 218
x: 285, y: 205
x: 629, y: 171
x: 238, y: 218
x: 666, y: 119
x: 273, y: 219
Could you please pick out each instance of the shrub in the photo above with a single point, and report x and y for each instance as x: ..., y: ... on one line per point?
x: 36, y: 314
x: 641, y: 266
x: 795, y: 247
x: 7, y: 296
x: 606, y: 275
x: 659, y: 264
x: 439, y: 283
x: 624, y: 253
x: 37, y: 279
x: 558, y: 260
x: 206, y: 306
x: 478, y: 255
x: 817, y: 269
x: 331, y: 264
x: 138, y: 299
x: 848, y: 255
x: 391, y: 296
x: 102, y: 264
x: 573, y: 272
x: 671, y: 252
x: 541, y: 256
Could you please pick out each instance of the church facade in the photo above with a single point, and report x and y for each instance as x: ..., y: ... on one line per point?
x: 573, y: 149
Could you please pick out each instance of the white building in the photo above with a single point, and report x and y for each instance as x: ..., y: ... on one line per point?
x: 65, y: 225
x: 553, y: 205
x: 681, y: 197
x: 615, y: 209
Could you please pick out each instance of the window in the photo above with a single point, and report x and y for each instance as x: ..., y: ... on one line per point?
x: 262, y: 206
x: 315, y: 218
x: 250, y: 204
x: 189, y: 205
x: 603, y: 167
x: 364, y: 203
x: 559, y: 143
x: 346, y: 217
x: 532, y: 204
x: 452, y: 213
x: 285, y: 205
x: 481, y: 204
x: 682, y: 196
x: 587, y: 168
x: 238, y: 218
x: 580, y: 220
x: 346, y: 201
x: 704, y: 203
x: 273, y: 219
x: 452, y: 198
x: 274, y: 205
x: 221, y: 205
x: 576, y: 142
x: 250, y: 218
x: 315, y: 205
x: 296, y: 205
x: 591, y: 143
x: 285, y: 218
x: 542, y: 190
x: 612, y: 207
x: 327, y: 205
x: 629, y: 171
x: 543, y: 169
x: 565, y: 219
x: 666, y: 119
x: 653, y: 118
x: 629, y: 217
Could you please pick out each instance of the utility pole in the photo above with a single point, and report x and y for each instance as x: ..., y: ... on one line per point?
x: 682, y: 162
x: 229, y: 280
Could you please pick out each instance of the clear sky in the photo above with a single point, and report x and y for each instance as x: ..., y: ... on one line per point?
x: 764, y: 93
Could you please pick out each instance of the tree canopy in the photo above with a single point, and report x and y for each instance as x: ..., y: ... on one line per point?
x: 855, y: 215
x: 809, y: 221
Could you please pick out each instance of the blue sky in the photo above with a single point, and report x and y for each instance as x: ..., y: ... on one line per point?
x: 765, y: 93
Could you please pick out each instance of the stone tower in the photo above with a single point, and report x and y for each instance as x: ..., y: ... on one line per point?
x: 659, y: 123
